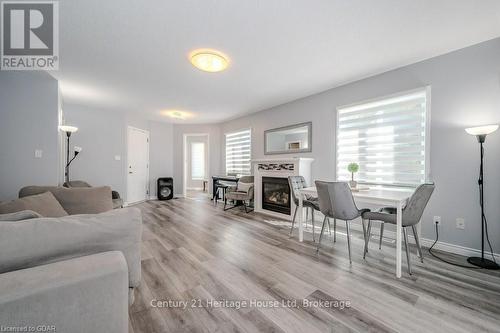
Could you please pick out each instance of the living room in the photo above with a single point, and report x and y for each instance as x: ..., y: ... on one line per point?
x: 248, y: 166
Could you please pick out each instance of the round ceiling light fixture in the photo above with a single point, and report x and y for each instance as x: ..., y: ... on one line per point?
x: 209, y: 60
x: 176, y: 114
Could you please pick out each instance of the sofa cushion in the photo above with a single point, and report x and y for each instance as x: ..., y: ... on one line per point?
x: 44, y: 204
x: 77, y: 200
x: 19, y: 216
x: 243, y: 187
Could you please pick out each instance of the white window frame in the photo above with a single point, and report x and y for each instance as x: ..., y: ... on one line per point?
x: 251, y: 147
x: 427, y: 166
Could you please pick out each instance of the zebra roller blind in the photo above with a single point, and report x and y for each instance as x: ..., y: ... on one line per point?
x: 239, y: 152
x: 387, y: 138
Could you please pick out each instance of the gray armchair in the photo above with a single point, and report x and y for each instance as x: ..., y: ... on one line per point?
x: 411, y: 217
x: 241, y: 193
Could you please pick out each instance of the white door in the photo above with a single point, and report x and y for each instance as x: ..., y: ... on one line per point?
x: 138, y: 165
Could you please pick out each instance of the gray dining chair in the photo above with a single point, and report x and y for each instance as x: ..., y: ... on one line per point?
x: 336, y: 201
x: 296, y: 183
x: 412, y: 213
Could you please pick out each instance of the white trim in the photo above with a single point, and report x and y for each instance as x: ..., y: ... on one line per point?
x: 153, y: 197
x: 194, y: 188
x: 179, y: 196
x: 424, y: 242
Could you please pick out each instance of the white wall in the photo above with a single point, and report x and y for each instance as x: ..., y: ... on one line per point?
x: 465, y: 92
x: 29, y: 112
x: 103, y: 135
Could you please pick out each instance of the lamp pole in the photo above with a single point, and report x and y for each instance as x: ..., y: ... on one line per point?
x: 481, y: 261
x: 66, y: 169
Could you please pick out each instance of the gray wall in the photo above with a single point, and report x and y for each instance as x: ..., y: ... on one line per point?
x: 160, y: 153
x: 465, y: 92
x: 103, y: 135
x: 29, y: 116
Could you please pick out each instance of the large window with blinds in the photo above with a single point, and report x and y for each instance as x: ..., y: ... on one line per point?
x: 387, y: 138
x: 238, y: 152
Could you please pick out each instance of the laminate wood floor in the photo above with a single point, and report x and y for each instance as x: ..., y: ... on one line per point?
x: 193, y: 250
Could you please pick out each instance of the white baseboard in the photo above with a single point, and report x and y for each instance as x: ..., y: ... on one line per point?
x: 194, y: 188
x: 425, y: 242
x: 153, y: 197
x: 179, y: 195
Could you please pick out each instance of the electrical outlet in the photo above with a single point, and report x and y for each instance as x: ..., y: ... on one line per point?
x: 38, y: 153
x: 460, y: 223
x: 437, y: 220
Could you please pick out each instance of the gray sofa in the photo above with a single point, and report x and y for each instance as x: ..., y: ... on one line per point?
x: 75, y: 272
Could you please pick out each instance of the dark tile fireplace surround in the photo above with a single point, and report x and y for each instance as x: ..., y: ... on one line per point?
x: 276, y: 194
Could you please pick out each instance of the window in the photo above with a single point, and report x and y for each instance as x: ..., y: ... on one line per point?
x: 387, y: 138
x: 197, y: 160
x: 238, y: 152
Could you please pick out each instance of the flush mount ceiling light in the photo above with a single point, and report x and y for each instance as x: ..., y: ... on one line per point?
x: 176, y: 114
x: 209, y: 60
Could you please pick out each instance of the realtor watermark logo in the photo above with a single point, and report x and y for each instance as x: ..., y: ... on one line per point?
x: 29, y: 35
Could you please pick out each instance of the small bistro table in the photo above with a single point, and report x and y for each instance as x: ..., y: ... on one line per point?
x: 380, y: 197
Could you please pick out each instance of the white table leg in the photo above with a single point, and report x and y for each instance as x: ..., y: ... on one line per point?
x: 300, y: 212
x: 399, y: 227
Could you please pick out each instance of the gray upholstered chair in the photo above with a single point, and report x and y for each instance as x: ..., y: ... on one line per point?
x: 412, y: 213
x: 296, y: 183
x: 336, y: 201
x: 241, y: 193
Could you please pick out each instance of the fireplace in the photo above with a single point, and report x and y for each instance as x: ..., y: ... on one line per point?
x: 276, y: 194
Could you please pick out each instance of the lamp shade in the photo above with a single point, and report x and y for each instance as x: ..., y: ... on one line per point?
x: 70, y: 129
x: 482, y: 130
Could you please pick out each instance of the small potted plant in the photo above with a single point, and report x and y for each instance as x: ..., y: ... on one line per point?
x: 353, y: 168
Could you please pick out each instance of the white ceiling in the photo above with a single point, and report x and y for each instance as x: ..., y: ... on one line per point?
x: 131, y: 56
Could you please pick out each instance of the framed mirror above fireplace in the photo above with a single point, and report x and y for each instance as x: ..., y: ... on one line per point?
x: 289, y: 139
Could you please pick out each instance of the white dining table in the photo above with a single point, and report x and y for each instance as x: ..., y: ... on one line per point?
x: 379, y: 197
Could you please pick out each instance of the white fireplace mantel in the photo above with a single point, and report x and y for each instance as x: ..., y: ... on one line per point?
x: 281, y: 168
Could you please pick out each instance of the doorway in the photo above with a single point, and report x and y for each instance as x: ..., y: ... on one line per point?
x: 196, y: 165
x: 137, y: 165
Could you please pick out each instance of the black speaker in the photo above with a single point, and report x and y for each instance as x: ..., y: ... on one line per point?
x: 165, y: 188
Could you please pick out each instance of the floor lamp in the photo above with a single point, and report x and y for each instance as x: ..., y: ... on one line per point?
x: 68, y: 130
x: 480, y: 133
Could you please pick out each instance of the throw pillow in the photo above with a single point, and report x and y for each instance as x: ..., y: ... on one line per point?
x: 19, y: 216
x: 243, y: 187
x: 44, y: 204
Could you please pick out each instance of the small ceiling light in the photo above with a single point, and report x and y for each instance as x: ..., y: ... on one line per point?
x: 209, y: 60
x: 177, y: 114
